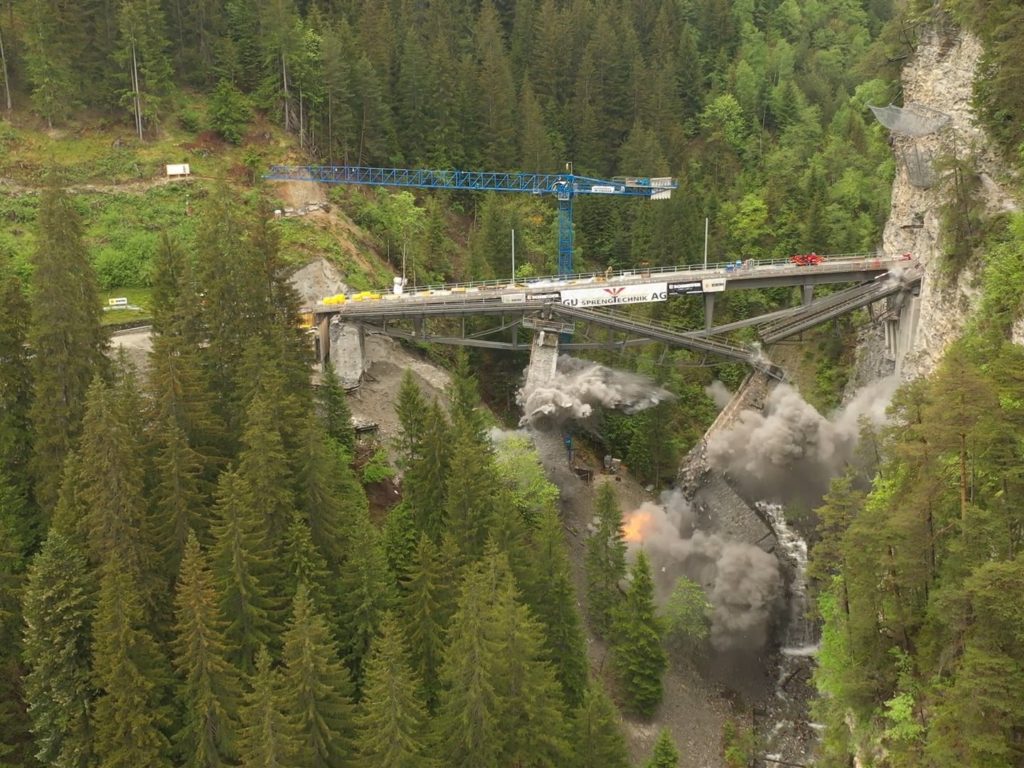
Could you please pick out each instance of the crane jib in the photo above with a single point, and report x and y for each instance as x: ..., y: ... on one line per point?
x: 564, y: 186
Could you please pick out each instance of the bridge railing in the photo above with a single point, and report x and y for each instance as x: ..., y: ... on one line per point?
x: 640, y: 273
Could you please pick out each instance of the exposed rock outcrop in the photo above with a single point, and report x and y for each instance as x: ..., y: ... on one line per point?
x: 939, y: 76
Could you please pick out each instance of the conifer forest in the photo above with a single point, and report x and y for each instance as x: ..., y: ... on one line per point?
x: 207, y: 562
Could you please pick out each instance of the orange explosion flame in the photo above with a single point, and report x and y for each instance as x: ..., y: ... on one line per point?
x: 636, y: 525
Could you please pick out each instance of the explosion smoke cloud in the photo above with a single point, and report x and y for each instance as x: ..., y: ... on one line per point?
x: 789, y: 452
x: 578, y: 387
x: 743, y: 583
x: 719, y: 393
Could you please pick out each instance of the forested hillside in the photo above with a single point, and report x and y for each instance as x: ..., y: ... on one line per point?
x: 757, y: 107
x: 919, y: 560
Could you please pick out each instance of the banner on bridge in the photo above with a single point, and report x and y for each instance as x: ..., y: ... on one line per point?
x: 613, y: 295
x: 713, y: 285
x: 684, y: 289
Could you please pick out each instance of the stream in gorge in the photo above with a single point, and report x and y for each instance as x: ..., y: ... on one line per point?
x: 789, y: 734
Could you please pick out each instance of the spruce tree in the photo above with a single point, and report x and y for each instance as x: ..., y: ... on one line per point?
x: 472, y: 485
x: 317, y: 689
x: 263, y: 472
x: 637, y: 654
x: 49, y: 61
x: 366, y: 591
x: 552, y: 597
x: 329, y: 494
x: 665, y: 754
x: 605, y: 561
x: 596, y: 738
x: 128, y: 670
x: 65, y: 336
x: 15, y: 736
x: 400, y: 536
x: 176, y: 379
x: 464, y: 395
x: 336, y: 415
x: 392, y: 730
x: 266, y: 374
x: 467, y: 722
x: 175, y: 298
x: 306, y: 564
x: 269, y: 733
x: 142, y: 50
x: 70, y: 516
x: 428, y: 471
x: 111, y: 485
x: 242, y: 561
x: 426, y: 608
x: 411, y: 408
x: 530, y: 701
x: 15, y: 386
x: 58, y: 607
x: 209, y: 683
x: 178, y: 501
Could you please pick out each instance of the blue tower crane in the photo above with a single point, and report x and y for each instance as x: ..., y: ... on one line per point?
x: 564, y: 186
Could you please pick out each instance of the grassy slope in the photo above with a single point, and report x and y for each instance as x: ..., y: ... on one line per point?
x: 127, y: 203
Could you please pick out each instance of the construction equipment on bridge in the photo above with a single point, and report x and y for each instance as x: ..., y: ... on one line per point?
x: 807, y: 259
x: 564, y: 186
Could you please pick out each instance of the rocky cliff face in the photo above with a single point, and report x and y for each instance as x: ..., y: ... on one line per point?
x: 939, y: 76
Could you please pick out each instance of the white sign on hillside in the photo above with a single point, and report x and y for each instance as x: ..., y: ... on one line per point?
x: 609, y: 296
x: 178, y: 169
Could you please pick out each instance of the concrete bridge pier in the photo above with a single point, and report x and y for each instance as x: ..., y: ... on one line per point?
x: 808, y: 294
x: 543, y: 359
x: 346, y: 351
x: 323, y: 340
x: 709, y: 311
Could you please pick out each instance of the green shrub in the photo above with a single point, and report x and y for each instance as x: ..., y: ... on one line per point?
x: 377, y: 469
x: 126, y: 266
x: 230, y: 112
x: 190, y: 120
x: 687, y: 615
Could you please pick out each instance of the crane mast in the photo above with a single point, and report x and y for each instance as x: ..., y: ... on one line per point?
x: 565, y: 187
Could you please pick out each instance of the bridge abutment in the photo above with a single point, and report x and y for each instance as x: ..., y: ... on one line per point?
x: 346, y: 351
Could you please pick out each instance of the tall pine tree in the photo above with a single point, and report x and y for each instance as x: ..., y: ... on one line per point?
x: 242, y: 563
x: 128, y: 668
x: 426, y: 608
x: 65, y: 336
x: 58, y: 607
x: 269, y: 735
x: 596, y: 736
x: 392, y: 730
x: 637, y: 655
x: 317, y: 689
x: 605, y: 561
x: 15, y: 385
x: 209, y: 683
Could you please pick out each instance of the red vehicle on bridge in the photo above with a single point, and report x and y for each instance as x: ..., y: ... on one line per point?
x: 807, y: 259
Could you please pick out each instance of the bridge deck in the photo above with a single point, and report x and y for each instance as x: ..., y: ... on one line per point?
x: 491, y: 296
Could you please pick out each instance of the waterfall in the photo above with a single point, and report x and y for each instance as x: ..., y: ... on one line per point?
x: 792, y: 737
